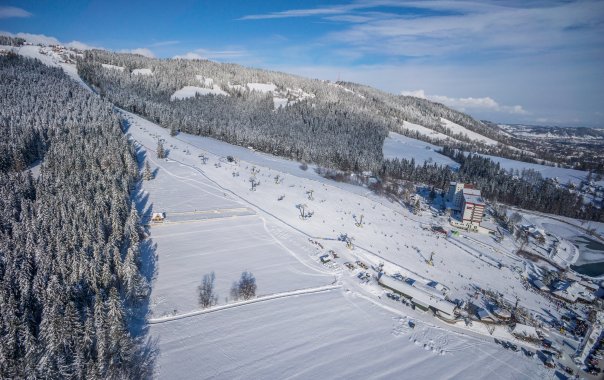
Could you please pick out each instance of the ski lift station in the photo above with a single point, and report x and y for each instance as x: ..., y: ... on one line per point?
x: 421, y: 297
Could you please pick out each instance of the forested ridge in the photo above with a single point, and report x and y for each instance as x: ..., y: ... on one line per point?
x: 328, y: 129
x: 343, y: 125
x: 70, y: 279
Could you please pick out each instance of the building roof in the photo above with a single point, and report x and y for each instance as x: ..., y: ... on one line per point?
x: 472, y: 196
x: 482, y: 314
x: 471, y: 191
x: 525, y: 331
x: 573, y: 291
x: 419, y: 295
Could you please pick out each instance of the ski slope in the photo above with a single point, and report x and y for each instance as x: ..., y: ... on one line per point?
x: 326, y: 335
x: 399, y: 146
x: 456, y: 128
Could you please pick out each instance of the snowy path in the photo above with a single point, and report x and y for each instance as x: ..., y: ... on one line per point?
x: 293, y: 293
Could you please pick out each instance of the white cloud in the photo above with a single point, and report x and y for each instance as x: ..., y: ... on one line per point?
x: 41, y: 39
x: 300, y: 13
x: 470, y: 103
x: 10, y: 12
x: 141, y: 51
x: 213, y: 54
x: 80, y: 45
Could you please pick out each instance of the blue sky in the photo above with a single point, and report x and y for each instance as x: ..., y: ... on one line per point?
x: 526, y: 61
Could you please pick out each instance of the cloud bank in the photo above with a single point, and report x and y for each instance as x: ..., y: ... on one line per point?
x: 470, y: 103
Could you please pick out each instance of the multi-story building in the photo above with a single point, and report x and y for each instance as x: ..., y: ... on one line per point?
x: 473, y: 207
x: 466, y: 204
x: 455, y: 195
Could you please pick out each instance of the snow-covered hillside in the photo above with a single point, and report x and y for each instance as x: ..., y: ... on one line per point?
x: 316, y: 317
x: 458, y: 129
x: 191, y: 91
x: 399, y: 146
x: 266, y: 235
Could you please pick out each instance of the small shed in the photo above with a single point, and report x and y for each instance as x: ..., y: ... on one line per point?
x: 158, y: 217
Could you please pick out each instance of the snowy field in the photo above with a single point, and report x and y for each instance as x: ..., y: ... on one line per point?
x: 360, y: 323
x: 399, y: 146
x: 456, y: 128
x: 191, y: 91
x: 564, y: 175
x: 328, y: 335
x: 425, y: 131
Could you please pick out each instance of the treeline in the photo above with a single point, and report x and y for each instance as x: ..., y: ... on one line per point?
x: 325, y: 129
x: 527, y: 190
x: 70, y: 278
x: 11, y: 41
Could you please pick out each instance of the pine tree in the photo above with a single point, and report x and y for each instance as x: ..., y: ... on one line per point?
x: 161, y: 153
x: 147, y: 173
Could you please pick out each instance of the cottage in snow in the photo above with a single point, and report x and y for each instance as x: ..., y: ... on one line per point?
x: 158, y: 217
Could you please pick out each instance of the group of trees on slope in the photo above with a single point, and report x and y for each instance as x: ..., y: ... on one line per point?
x: 326, y: 129
x: 70, y: 240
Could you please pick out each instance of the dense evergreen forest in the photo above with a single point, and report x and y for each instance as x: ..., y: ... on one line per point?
x: 70, y: 240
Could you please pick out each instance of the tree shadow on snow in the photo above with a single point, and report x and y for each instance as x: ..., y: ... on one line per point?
x: 139, y: 328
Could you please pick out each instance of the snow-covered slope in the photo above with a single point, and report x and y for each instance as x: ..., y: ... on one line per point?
x: 327, y: 335
x: 311, y: 319
x: 113, y: 67
x: 458, y: 129
x: 191, y: 91
x: 365, y: 324
x: 142, y: 72
x: 399, y: 146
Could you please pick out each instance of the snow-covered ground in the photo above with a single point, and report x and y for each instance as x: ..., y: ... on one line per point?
x: 456, y: 128
x: 399, y: 146
x: 142, y: 72
x: 425, y: 131
x: 564, y: 175
x: 360, y: 320
x: 113, y: 67
x: 327, y: 335
x: 191, y: 91
x: 262, y: 87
